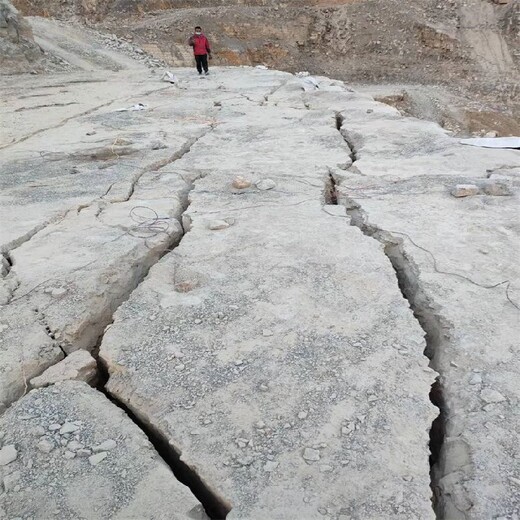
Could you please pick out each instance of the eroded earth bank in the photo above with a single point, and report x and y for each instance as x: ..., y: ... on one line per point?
x: 333, y: 334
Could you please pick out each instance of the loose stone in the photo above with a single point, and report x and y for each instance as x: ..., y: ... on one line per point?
x: 94, y: 460
x: 45, y: 445
x: 83, y: 452
x: 216, y: 225
x: 489, y: 395
x: 311, y: 455
x: 464, y: 190
x: 241, y: 183
x: 68, y: 428
x: 107, y: 445
x: 8, y: 454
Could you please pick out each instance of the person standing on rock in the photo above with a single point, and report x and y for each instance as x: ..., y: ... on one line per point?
x: 201, y: 50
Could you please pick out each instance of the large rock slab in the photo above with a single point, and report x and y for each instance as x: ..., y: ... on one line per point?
x: 459, y: 267
x: 273, y: 348
x: 83, y: 222
x: 276, y: 352
x: 79, y: 456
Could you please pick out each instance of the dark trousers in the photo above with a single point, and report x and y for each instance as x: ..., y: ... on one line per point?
x: 202, y: 62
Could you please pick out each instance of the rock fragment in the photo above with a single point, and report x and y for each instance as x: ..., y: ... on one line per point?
x: 68, y: 428
x: 464, y: 190
x: 84, y: 452
x: 107, y: 445
x: 94, y: 460
x: 475, y: 379
x: 311, y: 455
x: 216, y: 225
x: 265, y: 184
x: 241, y: 183
x: 497, y: 187
x: 8, y: 454
x: 11, y: 480
x: 45, y: 445
x: 488, y: 395
x: 78, y: 366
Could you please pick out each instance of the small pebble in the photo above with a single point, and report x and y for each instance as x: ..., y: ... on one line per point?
x: 216, y: 225
x: 58, y: 291
x: 241, y: 183
x: 464, y: 190
x: 74, y: 446
x: 489, y: 395
x: 107, y: 445
x: 475, y: 379
x: 83, y: 452
x: 68, y: 428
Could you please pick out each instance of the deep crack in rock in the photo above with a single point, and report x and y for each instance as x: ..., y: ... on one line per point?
x: 435, y: 329
x: 216, y: 507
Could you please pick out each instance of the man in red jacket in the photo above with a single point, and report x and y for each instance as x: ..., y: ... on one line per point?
x: 201, y: 49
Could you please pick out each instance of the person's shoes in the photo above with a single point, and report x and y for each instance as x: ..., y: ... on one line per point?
x: 207, y: 73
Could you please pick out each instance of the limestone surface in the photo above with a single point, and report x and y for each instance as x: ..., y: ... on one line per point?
x: 280, y: 290
x: 274, y: 368
x: 78, y: 366
x: 79, y: 456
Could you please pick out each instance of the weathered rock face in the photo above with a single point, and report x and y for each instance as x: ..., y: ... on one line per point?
x: 365, y: 40
x: 18, y: 52
x: 273, y: 277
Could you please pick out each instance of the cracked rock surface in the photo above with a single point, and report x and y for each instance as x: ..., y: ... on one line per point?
x: 269, y: 281
x: 291, y: 372
x: 79, y: 456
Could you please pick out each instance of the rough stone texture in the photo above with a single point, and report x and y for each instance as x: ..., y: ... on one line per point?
x: 129, y: 481
x: 277, y: 353
x: 18, y: 51
x: 449, y: 246
x: 291, y: 311
x: 75, y: 238
x: 26, y: 350
x: 78, y: 366
x: 465, y: 190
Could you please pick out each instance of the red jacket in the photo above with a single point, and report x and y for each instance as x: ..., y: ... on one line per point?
x: 200, y: 45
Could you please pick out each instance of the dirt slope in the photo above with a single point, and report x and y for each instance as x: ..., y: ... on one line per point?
x: 18, y: 51
x: 351, y: 39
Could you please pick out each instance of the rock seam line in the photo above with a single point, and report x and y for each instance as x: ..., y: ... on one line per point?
x: 436, y: 330
x: 216, y: 507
